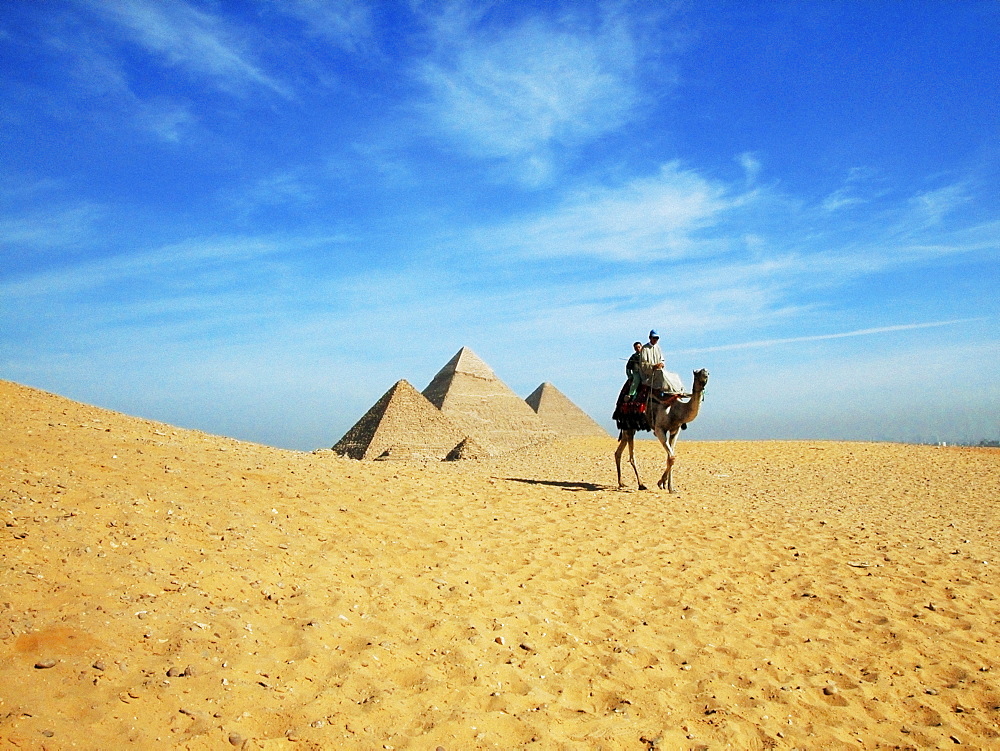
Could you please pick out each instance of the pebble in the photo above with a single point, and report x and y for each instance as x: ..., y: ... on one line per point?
x: 829, y: 690
x: 49, y: 663
x: 99, y: 665
x: 930, y: 691
x: 48, y: 733
x: 235, y: 739
x: 174, y: 672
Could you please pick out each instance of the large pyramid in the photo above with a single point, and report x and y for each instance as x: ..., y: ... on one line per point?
x: 468, y: 391
x: 560, y: 414
x: 404, y: 425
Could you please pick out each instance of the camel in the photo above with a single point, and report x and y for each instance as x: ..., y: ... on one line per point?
x: 667, y: 421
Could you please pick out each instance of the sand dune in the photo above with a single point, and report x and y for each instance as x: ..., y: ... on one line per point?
x: 170, y: 589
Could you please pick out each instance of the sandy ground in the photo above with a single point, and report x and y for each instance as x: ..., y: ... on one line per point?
x: 163, y: 588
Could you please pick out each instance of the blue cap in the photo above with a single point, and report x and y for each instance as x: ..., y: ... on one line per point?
x: 652, y: 334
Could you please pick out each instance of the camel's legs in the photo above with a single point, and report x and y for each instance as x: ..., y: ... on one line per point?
x: 627, y: 438
x: 668, y: 445
x: 631, y: 459
x: 673, y: 456
x: 622, y: 440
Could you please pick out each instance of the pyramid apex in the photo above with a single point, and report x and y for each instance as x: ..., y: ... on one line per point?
x: 467, y: 361
x: 559, y: 412
x: 534, y: 399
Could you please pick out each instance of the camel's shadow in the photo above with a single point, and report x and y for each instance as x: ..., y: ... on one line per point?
x: 561, y: 484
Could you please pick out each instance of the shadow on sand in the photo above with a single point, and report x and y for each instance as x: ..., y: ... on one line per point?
x: 558, y: 484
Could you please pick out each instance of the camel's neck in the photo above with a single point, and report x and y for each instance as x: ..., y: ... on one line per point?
x: 695, y: 404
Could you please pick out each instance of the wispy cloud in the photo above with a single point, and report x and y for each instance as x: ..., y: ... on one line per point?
x: 646, y: 219
x: 198, y: 262
x: 821, y: 337
x: 289, y: 187
x: 859, y: 188
x: 517, y: 95
x: 190, y: 39
x: 347, y: 24
x: 751, y: 166
x: 82, y: 81
x: 55, y: 228
x: 930, y: 207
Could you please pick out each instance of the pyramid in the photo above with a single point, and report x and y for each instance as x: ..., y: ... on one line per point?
x: 560, y: 414
x: 467, y: 449
x: 468, y: 391
x: 402, y: 425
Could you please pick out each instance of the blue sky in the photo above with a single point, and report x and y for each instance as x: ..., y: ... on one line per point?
x: 252, y: 218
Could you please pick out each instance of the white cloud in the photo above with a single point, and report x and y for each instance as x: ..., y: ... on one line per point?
x: 840, y: 199
x: 930, y: 207
x: 55, y: 228
x: 197, y: 258
x: 188, y: 38
x: 346, y: 23
x: 519, y: 95
x: 289, y: 187
x: 654, y: 218
x: 860, y: 187
x: 824, y: 337
x: 751, y: 166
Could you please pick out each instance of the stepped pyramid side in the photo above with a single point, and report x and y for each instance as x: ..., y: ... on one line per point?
x: 558, y: 412
x: 468, y: 391
x: 402, y: 424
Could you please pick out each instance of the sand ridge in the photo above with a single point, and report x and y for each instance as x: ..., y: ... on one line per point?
x: 192, y: 591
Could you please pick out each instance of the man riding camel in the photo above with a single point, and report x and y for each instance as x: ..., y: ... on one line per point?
x: 632, y: 370
x: 651, y: 364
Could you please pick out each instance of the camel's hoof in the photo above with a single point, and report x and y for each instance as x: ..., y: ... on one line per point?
x: 643, y: 487
x: 661, y: 486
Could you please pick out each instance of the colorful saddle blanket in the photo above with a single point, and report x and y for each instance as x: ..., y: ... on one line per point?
x: 630, y: 413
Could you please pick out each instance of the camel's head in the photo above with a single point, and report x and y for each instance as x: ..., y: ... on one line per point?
x: 700, y: 379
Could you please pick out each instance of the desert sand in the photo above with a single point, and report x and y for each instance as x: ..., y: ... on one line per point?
x: 165, y: 588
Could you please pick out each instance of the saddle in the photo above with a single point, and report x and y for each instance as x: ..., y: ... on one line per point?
x: 632, y: 413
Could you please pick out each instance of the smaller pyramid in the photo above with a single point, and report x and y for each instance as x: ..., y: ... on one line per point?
x: 559, y: 413
x: 467, y: 449
x: 402, y: 425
